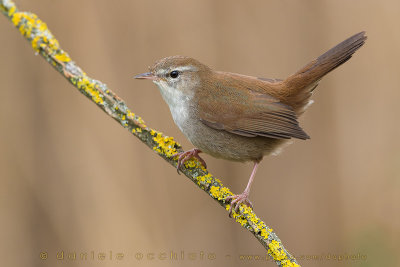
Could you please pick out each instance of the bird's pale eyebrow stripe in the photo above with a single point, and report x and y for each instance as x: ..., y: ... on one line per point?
x: 163, y: 72
x: 186, y: 68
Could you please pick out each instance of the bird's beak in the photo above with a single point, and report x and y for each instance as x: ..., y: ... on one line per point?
x: 147, y: 75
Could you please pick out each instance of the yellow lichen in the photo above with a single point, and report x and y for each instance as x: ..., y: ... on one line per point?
x: 31, y: 22
x: 154, y: 132
x: 89, y: 88
x: 256, y: 223
x: 192, y: 163
x: 40, y: 37
x: 245, y: 216
x: 94, y: 94
x: 63, y: 57
x: 11, y: 11
x: 42, y: 26
x: 204, y: 179
x: 53, y: 43
x: 214, y: 191
x: 218, y: 180
x: 276, y: 251
x: 35, y: 43
x: 165, y: 145
x: 265, y: 233
x: 16, y: 18
x: 238, y: 217
x: 220, y: 193
x: 140, y: 121
x: 129, y: 113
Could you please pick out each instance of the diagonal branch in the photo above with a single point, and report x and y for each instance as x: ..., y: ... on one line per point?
x: 44, y: 43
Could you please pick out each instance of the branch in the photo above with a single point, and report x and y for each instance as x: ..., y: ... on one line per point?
x: 44, y: 43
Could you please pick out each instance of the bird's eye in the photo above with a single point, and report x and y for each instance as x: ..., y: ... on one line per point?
x: 174, y: 74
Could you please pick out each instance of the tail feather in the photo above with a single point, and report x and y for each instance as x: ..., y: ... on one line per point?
x: 301, y: 84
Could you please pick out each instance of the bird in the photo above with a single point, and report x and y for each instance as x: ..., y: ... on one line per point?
x: 238, y: 117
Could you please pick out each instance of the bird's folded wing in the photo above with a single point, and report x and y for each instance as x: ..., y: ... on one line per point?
x: 249, y: 113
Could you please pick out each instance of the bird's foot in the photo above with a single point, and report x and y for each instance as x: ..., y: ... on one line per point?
x: 236, y: 200
x: 186, y: 155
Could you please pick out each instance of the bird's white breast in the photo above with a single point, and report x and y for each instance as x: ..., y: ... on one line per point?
x: 178, y: 104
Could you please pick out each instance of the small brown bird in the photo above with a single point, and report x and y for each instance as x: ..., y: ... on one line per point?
x: 238, y: 117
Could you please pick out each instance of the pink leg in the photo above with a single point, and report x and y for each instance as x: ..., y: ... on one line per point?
x: 236, y: 200
x: 186, y: 155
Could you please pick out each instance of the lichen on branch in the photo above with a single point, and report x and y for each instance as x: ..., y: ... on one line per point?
x: 44, y: 43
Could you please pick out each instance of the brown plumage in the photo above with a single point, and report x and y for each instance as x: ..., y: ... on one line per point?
x: 300, y: 85
x: 238, y: 117
x: 241, y: 105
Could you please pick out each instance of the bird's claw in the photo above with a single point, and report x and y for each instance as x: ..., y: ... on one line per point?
x: 186, y: 155
x: 236, y: 200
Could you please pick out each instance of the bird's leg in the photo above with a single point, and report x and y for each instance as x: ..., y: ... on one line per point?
x: 186, y: 155
x: 236, y: 200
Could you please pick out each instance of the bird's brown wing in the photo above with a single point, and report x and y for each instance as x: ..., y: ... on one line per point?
x: 247, y: 112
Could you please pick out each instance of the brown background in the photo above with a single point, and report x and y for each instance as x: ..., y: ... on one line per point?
x: 73, y: 180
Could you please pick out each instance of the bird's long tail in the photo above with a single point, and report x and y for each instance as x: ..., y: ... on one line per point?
x: 301, y: 84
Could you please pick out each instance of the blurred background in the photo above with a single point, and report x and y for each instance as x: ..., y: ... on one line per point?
x: 74, y: 181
